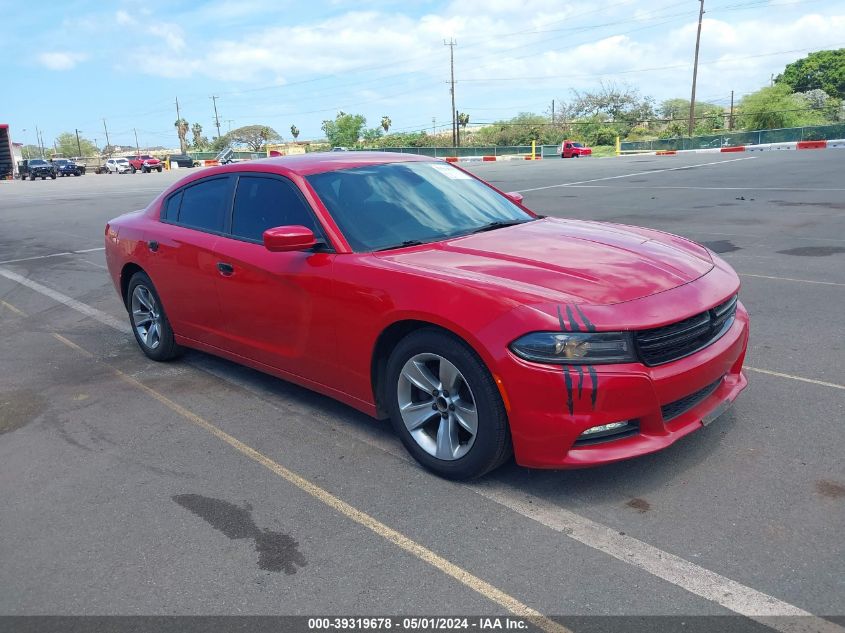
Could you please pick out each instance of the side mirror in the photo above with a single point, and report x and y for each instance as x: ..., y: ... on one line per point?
x: 289, y: 238
x: 515, y: 196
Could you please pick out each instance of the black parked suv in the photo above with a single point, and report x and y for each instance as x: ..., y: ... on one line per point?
x: 33, y: 168
x: 65, y: 167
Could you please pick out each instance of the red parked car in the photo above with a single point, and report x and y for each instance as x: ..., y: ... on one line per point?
x: 144, y: 163
x: 571, y: 149
x: 412, y: 290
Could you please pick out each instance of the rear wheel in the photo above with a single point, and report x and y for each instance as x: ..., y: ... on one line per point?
x: 149, y: 322
x: 445, y: 407
x: 132, y: 169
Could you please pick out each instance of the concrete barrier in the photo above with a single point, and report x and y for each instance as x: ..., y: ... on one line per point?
x: 812, y: 145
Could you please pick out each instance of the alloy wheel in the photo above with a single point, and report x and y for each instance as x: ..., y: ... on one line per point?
x: 146, y: 317
x: 437, y: 406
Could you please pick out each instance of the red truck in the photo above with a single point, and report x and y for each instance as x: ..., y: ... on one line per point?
x: 571, y: 149
x: 144, y: 163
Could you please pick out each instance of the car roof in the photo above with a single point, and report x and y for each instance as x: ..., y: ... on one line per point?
x: 319, y: 162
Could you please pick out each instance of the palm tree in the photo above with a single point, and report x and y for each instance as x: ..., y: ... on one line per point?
x: 182, y: 127
x: 386, y: 123
x: 294, y: 132
x: 196, y: 130
x: 463, y: 120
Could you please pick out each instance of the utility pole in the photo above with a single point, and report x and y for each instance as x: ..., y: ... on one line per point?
x: 39, y: 141
x: 108, y: 142
x: 216, y: 118
x: 553, y: 111
x: 451, y: 44
x: 457, y: 129
x: 695, y: 70
x: 433, y: 126
x: 137, y: 149
x: 78, y: 145
x: 182, y: 147
x: 731, y: 118
x: 229, y: 125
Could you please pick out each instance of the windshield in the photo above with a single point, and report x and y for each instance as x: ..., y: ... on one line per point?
x: 577, y: 145
x: 38, y: 161
x: 121, y: 160
x: 60, y: 161
x: 396, y: 204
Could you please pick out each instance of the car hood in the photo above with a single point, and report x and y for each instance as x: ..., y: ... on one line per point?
x: 564, y: 260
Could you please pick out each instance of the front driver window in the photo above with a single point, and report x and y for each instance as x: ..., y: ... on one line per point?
x: 263, y: 203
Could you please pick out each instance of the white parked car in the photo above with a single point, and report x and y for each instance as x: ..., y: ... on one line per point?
x: 118, y: 165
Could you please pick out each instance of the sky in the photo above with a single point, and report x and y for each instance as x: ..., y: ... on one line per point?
x: 284, y: 62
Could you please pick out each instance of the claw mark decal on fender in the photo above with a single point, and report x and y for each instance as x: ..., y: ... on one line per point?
x: 568, y: 378
x: 574, y: 326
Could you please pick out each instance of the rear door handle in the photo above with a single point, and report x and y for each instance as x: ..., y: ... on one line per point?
x: 225, y: 269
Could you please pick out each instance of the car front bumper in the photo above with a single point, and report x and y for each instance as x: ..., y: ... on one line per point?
x: 539, y: 399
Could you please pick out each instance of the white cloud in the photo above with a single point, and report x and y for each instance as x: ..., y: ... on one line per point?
x: 123, y: 18
x: 61, y: 60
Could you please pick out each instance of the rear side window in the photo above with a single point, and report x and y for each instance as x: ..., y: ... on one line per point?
x: 205, y: 204
x: 262, y: 203
x: 171, y: 207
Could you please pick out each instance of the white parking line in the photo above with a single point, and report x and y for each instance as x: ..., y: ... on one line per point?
x: 791, y: 377
x: 804, y: 281
x: 702, y: 582
x: 62, y: 254
x: 70, y: 302
x: 748, y: 188
x: 638, y: 173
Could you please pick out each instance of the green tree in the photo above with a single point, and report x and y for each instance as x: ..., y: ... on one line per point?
x: 372, y: 135
x: 777, y: 107
x: 823, y: 70
x: 386, y: 123
x: 294, y: 132
x: 255, y: 137
x: 199, y: 140
x: 345, y: 130
x: 182, y: 127
x: 66, y: 145
x: 31, y: 151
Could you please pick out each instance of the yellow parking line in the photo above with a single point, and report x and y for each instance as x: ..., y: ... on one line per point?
x: 791, y: 377
x: 12, y: 308
x: 397, y: 538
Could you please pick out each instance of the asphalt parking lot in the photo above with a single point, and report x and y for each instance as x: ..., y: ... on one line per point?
x: 201, y: 487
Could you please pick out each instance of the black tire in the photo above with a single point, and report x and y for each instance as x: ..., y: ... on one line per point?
x: 43, y: 177
x: 132, y: 169
x: 158, y: 170
x: 32, y: 178
x: 492, y: 445
x: 167, y: 349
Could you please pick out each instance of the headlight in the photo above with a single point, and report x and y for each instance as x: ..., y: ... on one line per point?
x: 575, y: 348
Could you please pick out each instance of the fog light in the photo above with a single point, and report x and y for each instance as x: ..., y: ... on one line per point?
x: 613, y: 426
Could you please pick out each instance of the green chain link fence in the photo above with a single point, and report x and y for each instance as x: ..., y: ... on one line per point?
x: 729, y: 139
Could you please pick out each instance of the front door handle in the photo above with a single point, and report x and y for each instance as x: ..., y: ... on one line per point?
x: 153, y: 246
x: 225, y: 269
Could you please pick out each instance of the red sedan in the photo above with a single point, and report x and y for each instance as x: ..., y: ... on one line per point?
x: 412, y: 290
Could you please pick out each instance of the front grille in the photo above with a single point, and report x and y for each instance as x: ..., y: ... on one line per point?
x: 664, y: 344
x: 674, y: 409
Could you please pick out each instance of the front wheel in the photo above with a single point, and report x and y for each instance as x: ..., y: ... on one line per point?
x: 445, y: 406
x: 148, y: 320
